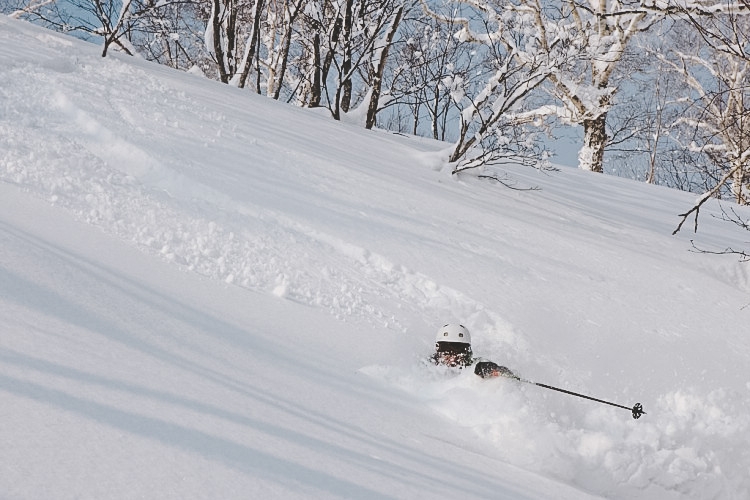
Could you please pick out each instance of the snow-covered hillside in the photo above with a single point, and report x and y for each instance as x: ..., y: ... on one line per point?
x: 208, y: 294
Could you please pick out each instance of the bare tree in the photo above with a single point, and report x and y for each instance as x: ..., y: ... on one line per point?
x: 640, y: 123
x: 346, y: 46
x: 112, y: 21
x: 719, y: 116
x: 171, y: 34
x: 719, y: 23
x: 380, y: 54
x: 599, y: 33
x: 163, y: 31
x: 252, y: 42
x: 278, y: 42
x: 491, y: 125
x: 427, y: 62
x: 221, y: 37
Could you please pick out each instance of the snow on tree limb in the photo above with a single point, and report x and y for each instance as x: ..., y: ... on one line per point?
x: 32, y: 6
x: 697, y: 8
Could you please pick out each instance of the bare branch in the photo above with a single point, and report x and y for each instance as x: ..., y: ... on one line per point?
x: 703, y: 199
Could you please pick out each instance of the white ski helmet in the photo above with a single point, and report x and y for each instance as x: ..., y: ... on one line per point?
x: 453, y: 333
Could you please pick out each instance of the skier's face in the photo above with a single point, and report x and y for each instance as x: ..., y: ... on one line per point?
x: 453, y: 353
x: 449, y: 359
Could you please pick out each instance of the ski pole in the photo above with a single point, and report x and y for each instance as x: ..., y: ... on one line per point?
x: 637, y: 409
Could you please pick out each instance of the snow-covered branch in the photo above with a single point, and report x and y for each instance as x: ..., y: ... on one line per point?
x: 32, y: 6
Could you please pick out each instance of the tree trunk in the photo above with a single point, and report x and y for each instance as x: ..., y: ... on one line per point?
x: 591, y: 155
x: 315, y: 86
x: 218, y: 50
x: 252, y: 44
x: 377, y: 83
x: 231, y: 28
x: 326, y: 67
x: 739, y: 179
x: 346, y: 64
x: 435, y: 114
x: 113, y: 35
x: 286, y: 44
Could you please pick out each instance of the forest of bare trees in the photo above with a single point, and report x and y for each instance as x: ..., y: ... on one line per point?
x: 655, y: 90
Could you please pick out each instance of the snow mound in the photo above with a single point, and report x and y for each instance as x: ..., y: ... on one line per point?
x: 685, y: 446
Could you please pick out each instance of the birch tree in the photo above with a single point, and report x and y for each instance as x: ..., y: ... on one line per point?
x: 585, y: 84
x: 429, y: 58
x: 715, y: 67
x: 718, y: 73
x: 347, y: 44
x: 492, y: 122
x: 111, y: 21
x: 721, y: 25
x: 639, y: 127
x: 221, y: 37
x: 171, y: 35
x: 379, y: 59
x: 277, y: 39
x: 718, y: 118
x: 252, y: 42
x: 319, y: 32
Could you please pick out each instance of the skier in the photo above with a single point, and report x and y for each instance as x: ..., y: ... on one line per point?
x: 453, y: 348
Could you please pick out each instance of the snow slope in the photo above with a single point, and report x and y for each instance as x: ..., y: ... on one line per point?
x: 208, y: 294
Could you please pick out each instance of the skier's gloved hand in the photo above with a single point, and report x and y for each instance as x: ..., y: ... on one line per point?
x: 486, y: 369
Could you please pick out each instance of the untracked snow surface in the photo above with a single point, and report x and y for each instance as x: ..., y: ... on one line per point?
x: 208, y: 294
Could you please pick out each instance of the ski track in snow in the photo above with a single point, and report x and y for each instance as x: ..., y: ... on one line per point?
x: 683, y: 447
x: 111, y: 183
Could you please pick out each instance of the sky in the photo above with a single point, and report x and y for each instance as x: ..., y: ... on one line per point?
x: 209, y: 294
